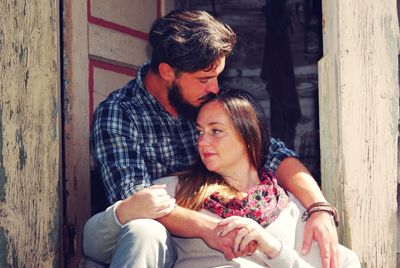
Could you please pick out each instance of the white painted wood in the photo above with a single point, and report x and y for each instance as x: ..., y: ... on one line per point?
x: 135, y: 14
x: 359, y: 109
x: 106, y: 82
x: 116, y: 47
x: 167, y: 6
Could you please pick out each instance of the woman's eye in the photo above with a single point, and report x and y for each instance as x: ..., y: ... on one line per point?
x: 216, y: 131
x: 199, y: 132
x: 203, y: 81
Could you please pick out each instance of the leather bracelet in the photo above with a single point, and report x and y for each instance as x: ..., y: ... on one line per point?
x: 321, y: 207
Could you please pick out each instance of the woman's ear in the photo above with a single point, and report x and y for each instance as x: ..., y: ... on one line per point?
x: 166, y: 72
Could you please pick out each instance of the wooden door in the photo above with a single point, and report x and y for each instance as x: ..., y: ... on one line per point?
x: 104, y: 44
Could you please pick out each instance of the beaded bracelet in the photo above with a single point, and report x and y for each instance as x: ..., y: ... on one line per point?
x: 321, y: 206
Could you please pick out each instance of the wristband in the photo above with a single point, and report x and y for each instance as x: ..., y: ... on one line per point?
x: 321, y: 207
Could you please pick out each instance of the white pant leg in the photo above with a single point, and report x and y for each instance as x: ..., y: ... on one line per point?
x: 144, y: 243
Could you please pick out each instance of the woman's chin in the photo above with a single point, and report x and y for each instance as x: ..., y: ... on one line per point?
x: 211, y: 168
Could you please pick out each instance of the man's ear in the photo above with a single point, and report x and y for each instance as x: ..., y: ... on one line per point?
x: 166, y: 71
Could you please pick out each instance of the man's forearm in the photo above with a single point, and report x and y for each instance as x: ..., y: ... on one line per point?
x: 293, y: 176
x: 189, y: 223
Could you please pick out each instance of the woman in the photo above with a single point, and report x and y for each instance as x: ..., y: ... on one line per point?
x: 230, y: 183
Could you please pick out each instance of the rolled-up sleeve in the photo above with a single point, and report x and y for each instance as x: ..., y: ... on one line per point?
x: 277, y: 153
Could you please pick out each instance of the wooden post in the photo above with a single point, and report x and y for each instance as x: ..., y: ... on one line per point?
x: 76, y: 127
x: 359, y: 109
x: 30, y: 149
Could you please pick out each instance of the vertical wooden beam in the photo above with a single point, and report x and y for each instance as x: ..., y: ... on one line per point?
x: 359, y: 109
x: 76, y: 126
x: 30, y: 146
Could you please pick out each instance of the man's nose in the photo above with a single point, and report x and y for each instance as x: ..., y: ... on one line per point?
x: 213, y: 87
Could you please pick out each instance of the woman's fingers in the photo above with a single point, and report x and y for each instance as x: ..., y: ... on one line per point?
x: 228, y: 220
x: 165, y: 208
x: 239, y: 237
x: 251, y: 236
x: 232, y: 223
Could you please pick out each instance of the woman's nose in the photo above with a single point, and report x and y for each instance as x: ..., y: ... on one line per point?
x: 202, y: 140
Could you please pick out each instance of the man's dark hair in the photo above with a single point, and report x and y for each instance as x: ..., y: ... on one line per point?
x: 189, y: 41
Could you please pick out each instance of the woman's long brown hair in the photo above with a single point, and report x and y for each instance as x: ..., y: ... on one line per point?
x: 248, y: 118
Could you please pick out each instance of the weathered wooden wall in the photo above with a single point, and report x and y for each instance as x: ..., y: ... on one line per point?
x: 29, y: 134
x: 359, y: 108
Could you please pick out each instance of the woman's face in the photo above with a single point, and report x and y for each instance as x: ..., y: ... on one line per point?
x: 221, y: 148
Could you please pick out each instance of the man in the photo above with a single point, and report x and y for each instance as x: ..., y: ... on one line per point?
x: 146, y: 130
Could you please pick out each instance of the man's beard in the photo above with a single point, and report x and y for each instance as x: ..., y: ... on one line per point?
x: 180, y: 104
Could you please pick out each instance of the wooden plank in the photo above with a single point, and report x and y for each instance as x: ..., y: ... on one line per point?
x: 137, y: 15
x: 105, y: 82
x: 76, y: 127
x: 30, y: 148
x: 359, y: 91
x: 166, y: 6
x: 116, y: 47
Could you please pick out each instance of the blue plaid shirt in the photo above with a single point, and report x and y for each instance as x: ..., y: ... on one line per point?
x: 135, y: 141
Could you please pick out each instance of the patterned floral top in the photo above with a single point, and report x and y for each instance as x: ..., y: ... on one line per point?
x: 263, y: 202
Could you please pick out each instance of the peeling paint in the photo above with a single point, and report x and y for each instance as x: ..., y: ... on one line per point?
x: 21, y: 148
x: 26, y: 79
x: 30, y: 153
x: 357, y: 117
x: 3, y: 248
x: 54, y: 114
x: 1, y: 40
x: 2, y: 169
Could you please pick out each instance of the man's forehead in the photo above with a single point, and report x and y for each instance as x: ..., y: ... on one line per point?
x: 215, y: 69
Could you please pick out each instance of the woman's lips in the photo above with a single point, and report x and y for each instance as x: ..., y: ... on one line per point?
x: 207, y: 155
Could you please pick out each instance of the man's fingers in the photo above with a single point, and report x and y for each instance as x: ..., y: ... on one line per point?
x: 334, y: 257
x: 229, y: 255
x: 325, y: 259
x: 325, y: 252
x: 307, y: 239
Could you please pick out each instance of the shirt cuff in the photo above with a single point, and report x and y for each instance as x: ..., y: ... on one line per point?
x: 113, y: 208
x: 285, y: 258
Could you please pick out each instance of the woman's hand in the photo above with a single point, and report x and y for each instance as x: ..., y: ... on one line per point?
x: 150, y: 203
x: 250, y: 230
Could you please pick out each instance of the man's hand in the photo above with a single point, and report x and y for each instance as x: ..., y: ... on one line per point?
x: 151, y: 203
x: 320, y: 227
x: 226, y: 243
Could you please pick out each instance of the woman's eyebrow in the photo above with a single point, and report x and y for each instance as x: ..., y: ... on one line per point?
x: 210, y: 123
